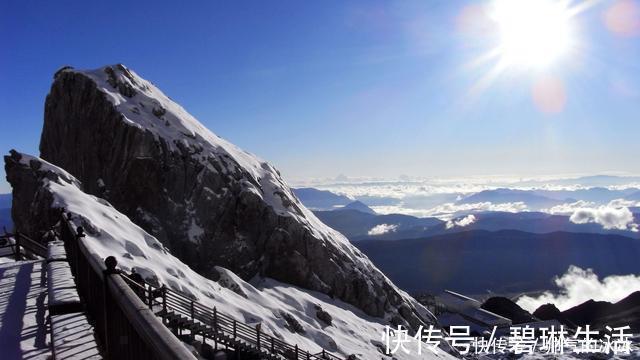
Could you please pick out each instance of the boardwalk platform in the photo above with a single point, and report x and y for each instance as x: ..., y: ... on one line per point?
x: 23, y: 313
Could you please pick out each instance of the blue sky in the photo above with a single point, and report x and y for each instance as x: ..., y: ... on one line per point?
x: 362, y: 88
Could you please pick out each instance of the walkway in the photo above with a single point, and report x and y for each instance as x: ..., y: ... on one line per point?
x: 23, y: 327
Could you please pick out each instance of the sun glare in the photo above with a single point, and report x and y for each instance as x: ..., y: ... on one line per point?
x: 532, y: 33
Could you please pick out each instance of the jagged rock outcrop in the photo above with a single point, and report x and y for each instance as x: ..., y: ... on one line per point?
x: 208, y: 201
x: 33, y: 208
x: 506, y: 307
x: 551, y: 312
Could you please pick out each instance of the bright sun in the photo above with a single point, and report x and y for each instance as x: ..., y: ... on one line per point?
x: 532, y: 33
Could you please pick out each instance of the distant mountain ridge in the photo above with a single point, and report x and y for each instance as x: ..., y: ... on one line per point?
x: 355, y: 224
x: 500, y: 196
x: 5, y: 212
x: 504, y: 261
x: 597, y: 314
x: 359, y: 206
x: 316, y: 199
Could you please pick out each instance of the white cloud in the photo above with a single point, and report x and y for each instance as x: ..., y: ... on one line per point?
x: 402, y: 188
x: 614, y: 215
x: 448, y: 211
x: 467, y: 220
x: 609, y: 218
x: 382, y: 229
x: 623, y: 203
x: 577, y: 286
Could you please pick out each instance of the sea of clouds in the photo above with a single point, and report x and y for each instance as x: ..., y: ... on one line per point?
x: 439, y: 197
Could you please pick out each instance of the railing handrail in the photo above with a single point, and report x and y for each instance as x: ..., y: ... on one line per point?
x: 32, y: 245
x: 97, y: 266
x: 146, y: 325
x: 22, y: 240
x: 154, y: 332
x: 182, y: 304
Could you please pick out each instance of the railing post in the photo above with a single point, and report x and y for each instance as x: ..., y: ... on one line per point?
x: 296, y: 351
x: 272, y: 347
x: 234, y: 329
x: 164, y: 303
x: 258, y: 338
x: 308, y: 357
x: 18, y: 255
x: 111, y: 263
x: 76, y: 255
x: 215, y: 319
x: 192, y: 312
x: 150, y: 296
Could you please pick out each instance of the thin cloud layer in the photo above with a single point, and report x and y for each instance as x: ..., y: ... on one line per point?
x: 450, y: 210
x: 382, y: 229
x: 578, y: 285
x: 569, y: 208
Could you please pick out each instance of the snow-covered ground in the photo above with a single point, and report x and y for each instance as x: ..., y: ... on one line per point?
x: 262, y: 301
x: 23, y: 328
x: 73, y: 337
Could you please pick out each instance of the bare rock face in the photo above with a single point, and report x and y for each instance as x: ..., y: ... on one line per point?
x: 32, y: 211
x: 208, y: 201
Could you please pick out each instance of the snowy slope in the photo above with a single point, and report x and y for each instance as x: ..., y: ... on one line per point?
x: 262, y: 301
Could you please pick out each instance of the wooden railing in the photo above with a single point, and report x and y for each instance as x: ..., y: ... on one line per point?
x: 132, y: 319
x: 22, y: 247
x: 217, y: 326
x: 125, y: 327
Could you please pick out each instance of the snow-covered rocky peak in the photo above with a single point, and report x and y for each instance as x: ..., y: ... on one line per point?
x: 41, y: 189
x: 209, y: 202
x: 146, y: 107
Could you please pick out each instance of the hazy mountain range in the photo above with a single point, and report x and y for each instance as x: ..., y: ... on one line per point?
x: 504, y: 261
x: 5, y: 212
x: 510, y: 252
x: 357, y: 225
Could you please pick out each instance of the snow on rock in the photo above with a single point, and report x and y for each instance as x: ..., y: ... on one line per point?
x: 273, y: 304
x: 149, y: 109
x: 208, y: 201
